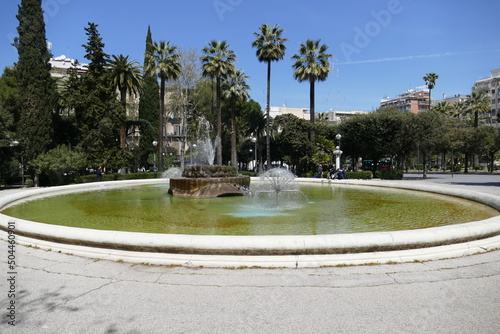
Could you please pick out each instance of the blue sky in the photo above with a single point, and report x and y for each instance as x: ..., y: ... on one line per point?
x: 380, y: 47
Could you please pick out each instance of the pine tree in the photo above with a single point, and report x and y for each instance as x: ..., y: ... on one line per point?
x: 149, y: 106
x: 97, y: 109
x: 36, y: 87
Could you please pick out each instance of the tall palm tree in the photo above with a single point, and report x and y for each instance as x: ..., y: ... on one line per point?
x: 217, y: 63
x: 477, y: 102
x: 236, y: 89
x: 125, y: 75
x: 430, y: 80
x: 164, y: 61
x: 312, y: 64
x: 270, y: 47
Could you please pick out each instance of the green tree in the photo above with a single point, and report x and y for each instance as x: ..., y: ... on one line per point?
x: 125, y: 75
x: 445, y: 108
x: 97, y: 110
x: 491, y: 143
x: 218, y: 62
x: 36, y: 87
x: 430, y: 80
x: 235, y: 89
x: 312, y: 64
x: 149, y: 106
x: 9, y: 100
x: 293, y: 144
x: 252, y: 125
x: 429, y: 128
x: 477, y: 103
x: 58, y: 163
x: 164, y: 61
x: 270, y: 47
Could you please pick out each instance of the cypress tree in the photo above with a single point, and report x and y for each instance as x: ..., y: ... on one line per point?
x: 97, y: 109
x: 36, y: 87
x: 149, y: 105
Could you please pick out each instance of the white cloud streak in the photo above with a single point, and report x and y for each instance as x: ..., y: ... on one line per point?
x: 436, y: 55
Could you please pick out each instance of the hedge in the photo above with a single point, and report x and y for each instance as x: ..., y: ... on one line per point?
x: 364, y: 175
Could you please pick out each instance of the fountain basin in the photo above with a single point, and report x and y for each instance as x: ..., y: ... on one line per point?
x: 279, y: 245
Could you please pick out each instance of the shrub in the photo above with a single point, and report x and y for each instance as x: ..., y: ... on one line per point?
x: 247, y: 173
x: 391, y: 174
x: 139, y: 176
x: 478, y: 167
x: 114, y: 177
x: 363, y: 175
x: 456, y: 168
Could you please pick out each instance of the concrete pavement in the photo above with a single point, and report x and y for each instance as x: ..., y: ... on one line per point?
x: 63, y: 293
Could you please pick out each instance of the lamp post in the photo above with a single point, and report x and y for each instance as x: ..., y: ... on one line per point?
x: 337, y: 152
x: 155, y: 143
x: 254, y: 140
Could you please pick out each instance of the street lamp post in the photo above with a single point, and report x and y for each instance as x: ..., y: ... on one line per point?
x: 254, y: 140
x: 337, y: 152
x: 155, y: 143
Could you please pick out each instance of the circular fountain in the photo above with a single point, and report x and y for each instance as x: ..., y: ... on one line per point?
x: 274, y: 250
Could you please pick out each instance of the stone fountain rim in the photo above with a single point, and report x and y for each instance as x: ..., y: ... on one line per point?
x: 281, y: 245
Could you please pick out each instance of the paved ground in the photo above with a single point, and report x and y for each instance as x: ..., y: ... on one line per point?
x: 60, y: 293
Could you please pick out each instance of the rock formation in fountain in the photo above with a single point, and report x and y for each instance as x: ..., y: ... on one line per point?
x: 209, y: 181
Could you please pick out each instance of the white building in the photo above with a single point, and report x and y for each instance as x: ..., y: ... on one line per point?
x: 61, y: 65
x: 490, y: 86
x: 334, y: 116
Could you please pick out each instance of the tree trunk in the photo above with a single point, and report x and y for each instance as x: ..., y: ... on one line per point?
x: 219, y: 123
x: 160, y: 125
x: 311, y: 109
x: 123, y: 135
x: 268, y: 118
x: 234, y: 156
x: 425, y: 165
x: 123, y: 130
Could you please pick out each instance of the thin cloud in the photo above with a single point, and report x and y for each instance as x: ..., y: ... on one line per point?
x: 436, y: 55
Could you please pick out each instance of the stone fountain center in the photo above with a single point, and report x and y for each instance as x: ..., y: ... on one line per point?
x: 209, y: 182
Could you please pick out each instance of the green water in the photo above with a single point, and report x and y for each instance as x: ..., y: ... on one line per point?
x: 318, y: 210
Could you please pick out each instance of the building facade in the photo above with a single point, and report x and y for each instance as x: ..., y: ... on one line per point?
x: 333, y: 116
x: 413, y: 100
x: 490, y: 86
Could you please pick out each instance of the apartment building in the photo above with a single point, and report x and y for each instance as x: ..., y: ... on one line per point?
x: 413, y: 100
x: 491, y: 87
x: 333, y: 116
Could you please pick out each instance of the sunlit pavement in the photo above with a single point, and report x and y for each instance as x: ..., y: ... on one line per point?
x: 62, y: 293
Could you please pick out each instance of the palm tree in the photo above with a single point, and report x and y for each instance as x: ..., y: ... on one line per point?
x: 430, y: 80
x: 459, y: 108
x: 445, y: 108
x: 270, y: 47
x: 125, y: 75
x: 312, y: 64
x: 164, y: 61
x: 218, y: 63
x: 477, y: 102
x: 236, y: 89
